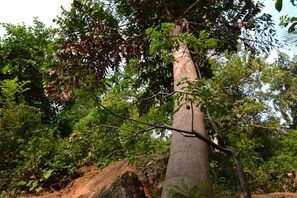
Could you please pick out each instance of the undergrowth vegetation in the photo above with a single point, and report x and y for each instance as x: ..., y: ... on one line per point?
x: 49, y: 127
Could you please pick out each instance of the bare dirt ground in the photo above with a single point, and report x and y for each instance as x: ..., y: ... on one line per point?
x: 94, y: 181
x: 277, y: 195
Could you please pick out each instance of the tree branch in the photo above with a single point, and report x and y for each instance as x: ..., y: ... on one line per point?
x: 190, y: 7
x: 194, y: 134
x: 185, y: 133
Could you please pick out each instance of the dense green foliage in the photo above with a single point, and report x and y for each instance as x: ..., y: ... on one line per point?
x: 42, y: 154
x: 24, y: 54
x: 114, y: 69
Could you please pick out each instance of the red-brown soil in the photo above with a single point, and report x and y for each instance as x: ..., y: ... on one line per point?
x: 94, y: 181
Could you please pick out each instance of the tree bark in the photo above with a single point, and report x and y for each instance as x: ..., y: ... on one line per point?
x: 188, y: 158
x: 240, y: 173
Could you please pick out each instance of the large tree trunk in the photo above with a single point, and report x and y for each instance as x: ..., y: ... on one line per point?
x: 188, y: 158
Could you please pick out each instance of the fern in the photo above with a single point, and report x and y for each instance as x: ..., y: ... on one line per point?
x: 183, y: 190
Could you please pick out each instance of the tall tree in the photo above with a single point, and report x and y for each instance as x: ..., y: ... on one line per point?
x: 98, y: 35
x: 184, y: 164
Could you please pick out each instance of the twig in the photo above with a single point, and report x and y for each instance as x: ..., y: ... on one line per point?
x: 157, y: 94
x: 194, y: 134
x: 190, y: 7
x: 268, y: 127
x: 183, y: 132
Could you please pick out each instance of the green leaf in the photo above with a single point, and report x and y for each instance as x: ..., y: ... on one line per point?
x: 29, y: 183
x: 22, y: 183
x: 34, y: 184
x: 279, y: 5
x: 47, y: 173
x: 38, y: 189
x: 292, y: 27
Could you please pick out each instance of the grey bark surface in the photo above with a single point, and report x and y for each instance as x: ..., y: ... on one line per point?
x: 188, y: 158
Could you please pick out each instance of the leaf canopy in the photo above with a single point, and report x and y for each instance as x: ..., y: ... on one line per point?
x: 96, y: 36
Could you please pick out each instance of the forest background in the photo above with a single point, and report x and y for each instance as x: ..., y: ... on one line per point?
x: 68, y: 96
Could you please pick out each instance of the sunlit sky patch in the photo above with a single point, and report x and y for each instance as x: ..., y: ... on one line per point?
x: 24, y: 11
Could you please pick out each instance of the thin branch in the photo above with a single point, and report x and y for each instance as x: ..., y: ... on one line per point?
x: 140, y: 132
x: 268, y: 127
x: 217, y: 133
x: 190, y: 7
x: 194, y: 134
x: 240, y: 173
x: 109, y: 126
x: 183, y: 132
x: 215, y: 127
x: 236, y: 157
x: 157, y: 94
